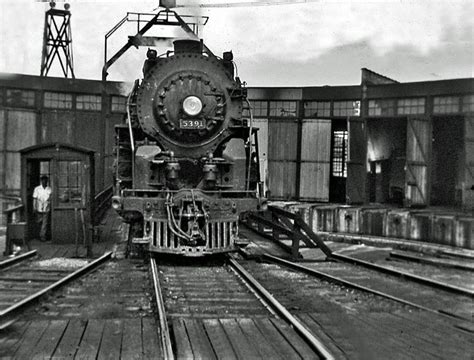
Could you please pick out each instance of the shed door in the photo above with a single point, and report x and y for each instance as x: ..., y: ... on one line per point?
x: 357, y: 161
x: 70, y: 199
x: 315, y: 159
x: 468, y: 191
x: 282, y: 150
x: 418, y: 155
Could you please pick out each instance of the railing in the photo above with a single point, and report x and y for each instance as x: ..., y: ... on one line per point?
x: 102, y: 202
x: 277, y: 222
x: 16, y: 228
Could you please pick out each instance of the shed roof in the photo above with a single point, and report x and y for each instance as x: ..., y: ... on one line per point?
x: 58, y: 146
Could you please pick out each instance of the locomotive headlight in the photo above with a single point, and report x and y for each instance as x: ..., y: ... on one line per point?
x: 192, y: 105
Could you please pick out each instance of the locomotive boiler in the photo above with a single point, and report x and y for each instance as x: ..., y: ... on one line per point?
x: 185, y: 165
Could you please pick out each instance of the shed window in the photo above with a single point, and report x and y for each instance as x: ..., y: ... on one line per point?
x: 259, y: 109
x: 118, y: 104
x: 468, y: 103
x: 384, y: 107
x: 88, y: 102
x: 55, y: 100
x: 411, y: 106
x: 446, y: 104
x: 17, y: 97
x: 283, y: 109
x: 346, y: 108
x: 339, y: 153
x: 70, y: 182
x: 317, y: 108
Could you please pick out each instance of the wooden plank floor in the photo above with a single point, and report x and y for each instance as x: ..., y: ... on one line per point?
x: 77, y: 339
x: 238, y: 338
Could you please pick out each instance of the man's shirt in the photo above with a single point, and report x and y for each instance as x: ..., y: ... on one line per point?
x: 43, y: 197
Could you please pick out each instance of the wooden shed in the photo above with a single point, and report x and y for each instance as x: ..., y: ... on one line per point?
x: 70, y: 170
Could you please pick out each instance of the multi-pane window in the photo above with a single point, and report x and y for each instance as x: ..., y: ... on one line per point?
x: 339, y: 153
x: 283, y: 109
x: 17, y: 97
x: 446, y: 104
x: 119, y: 104
x: 385, y: 107
x: 56, y: 100
x: 411, y: 106
x: 468, y: 103
x: 70, y: 182
x: 346, y: 108
x: 317, y: 108
x: 259, y: 109
x: 88, y: 102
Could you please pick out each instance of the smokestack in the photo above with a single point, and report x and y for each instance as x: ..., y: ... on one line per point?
x: 187, y: 46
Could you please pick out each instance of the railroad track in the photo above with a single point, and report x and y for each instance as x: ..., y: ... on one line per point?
x: 24, y: 280
x: 361, y: 324
x: 422, y: 293
x: 219, y: 310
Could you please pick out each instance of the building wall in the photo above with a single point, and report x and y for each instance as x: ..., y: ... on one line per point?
x: 36, y: 110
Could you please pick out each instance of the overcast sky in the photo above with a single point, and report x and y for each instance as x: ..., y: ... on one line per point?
x: 317, y: 43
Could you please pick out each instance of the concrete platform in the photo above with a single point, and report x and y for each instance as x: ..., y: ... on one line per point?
x: 442, y: 226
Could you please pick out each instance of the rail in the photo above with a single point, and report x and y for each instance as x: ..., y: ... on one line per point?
x: 7, y: 316
x: 160, y: 304
x: 9, y: 262
x: 315, y: 343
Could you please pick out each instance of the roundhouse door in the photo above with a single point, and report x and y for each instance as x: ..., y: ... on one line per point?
x: 357, y: 161
x: 315, y: 160
x: 418, y: 156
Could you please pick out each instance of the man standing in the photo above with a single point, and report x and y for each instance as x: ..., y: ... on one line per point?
x: 42, y: 205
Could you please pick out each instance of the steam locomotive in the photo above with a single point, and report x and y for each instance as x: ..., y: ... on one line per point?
x: 185, y: 165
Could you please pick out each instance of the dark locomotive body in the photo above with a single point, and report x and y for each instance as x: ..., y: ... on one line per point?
x: 184, y: 164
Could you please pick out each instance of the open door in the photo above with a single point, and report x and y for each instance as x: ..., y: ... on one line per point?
x: 417, y: 165
x: 468, y: 191
x: 35, y: 168
x: 357, y: 161
x: 315, y: 160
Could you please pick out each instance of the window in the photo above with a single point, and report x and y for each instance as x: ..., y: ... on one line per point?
x: 445, y: 104
x: 283, y: 109
x: 411, y: 106
x: 259, y: 108
x: 339, y: 153
x: 88, y: 102
x: 346, y: 108
x: 382, y: 107
x: 56, y: 100
x: 317, y: 108
x: 70, y: 182
x: 468, y: 103
x: 20, y: 97
x: 119, y: 104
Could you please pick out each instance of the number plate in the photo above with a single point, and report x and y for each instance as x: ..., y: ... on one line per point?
x: 192, y: 124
